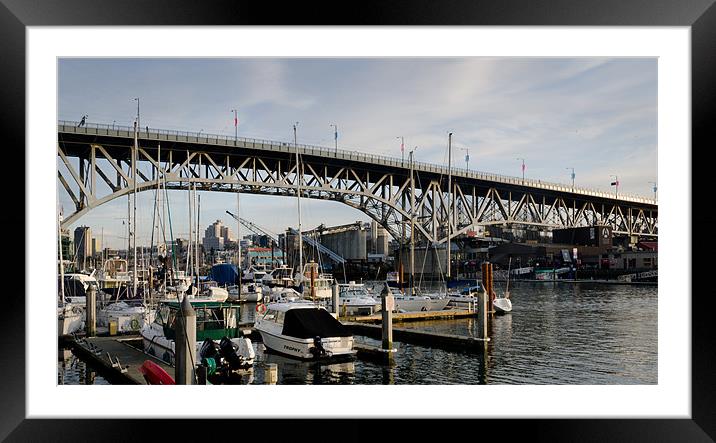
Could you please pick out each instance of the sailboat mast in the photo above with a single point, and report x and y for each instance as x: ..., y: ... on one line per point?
x: 238, y: 238
x: 134, y: 200
x: 449, y: 201
x: 62, y: 262
x: 298, y: 194
x: 412, y: 221
x: 196, y: 242
x: 189, y: 270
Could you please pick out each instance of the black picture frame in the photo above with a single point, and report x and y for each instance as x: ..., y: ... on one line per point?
x: 16, y: 15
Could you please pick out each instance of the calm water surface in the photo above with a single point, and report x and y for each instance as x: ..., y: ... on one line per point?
x: 557, y: 333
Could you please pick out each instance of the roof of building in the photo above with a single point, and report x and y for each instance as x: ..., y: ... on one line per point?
x: 648, y: 245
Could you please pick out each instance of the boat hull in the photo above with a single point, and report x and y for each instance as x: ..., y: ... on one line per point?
x: 415, y: 304
x: 301, y: 348
x: 69, y: 320
x: 502, y: 305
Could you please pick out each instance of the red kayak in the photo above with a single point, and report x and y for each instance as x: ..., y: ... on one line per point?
x: 154, y: 374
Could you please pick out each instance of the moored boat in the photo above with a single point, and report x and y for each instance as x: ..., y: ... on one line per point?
x: 214, y: 320
x: 303, y: 330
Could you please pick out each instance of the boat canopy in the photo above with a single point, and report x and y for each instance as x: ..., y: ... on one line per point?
x: 310, y: 323
x: 224, y: 274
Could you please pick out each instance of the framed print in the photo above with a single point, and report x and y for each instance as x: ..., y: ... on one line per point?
x: 550, y: 119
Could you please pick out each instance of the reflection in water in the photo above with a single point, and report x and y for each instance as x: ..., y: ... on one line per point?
x: 294, y: 371
x: 73, y: 371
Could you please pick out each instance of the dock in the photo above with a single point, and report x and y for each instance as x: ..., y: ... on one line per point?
x: 423, y: 338
x: 97, y: 351
x: 412, y: 316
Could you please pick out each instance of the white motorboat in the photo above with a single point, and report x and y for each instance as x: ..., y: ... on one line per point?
x: 278, y: 294
x: 215, y: 321
x: 249, y: 293
x: 76, y: 285
x: 417, y: 302
x: 254, y: 274
x: 303, y: 330
x: 502, y: 305
x: 354, y: 299
x: 281, y: 277
x: 210, y: 290
x: 129, y: 318
x: 466, y: 299
x: 322, y: 283
x: 70, y: 319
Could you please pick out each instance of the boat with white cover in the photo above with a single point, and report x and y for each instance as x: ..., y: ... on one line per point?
x: 252, y: 292
x: 303, y: 330
x: 354, y: 299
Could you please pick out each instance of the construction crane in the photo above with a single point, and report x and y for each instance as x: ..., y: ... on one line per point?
x: 261, y: 231
x: 255, y: 228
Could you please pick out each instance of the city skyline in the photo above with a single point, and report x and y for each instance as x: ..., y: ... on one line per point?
x: 596, y: 115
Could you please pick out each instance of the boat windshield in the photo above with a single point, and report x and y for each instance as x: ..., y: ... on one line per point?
x: 353, y: 291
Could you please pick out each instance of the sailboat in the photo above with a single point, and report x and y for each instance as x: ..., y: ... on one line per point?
x: 412, y: 302
x: 503, y: 304
x: 69, y: 315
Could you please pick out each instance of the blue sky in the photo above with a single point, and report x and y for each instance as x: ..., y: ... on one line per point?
x: 596, y: 115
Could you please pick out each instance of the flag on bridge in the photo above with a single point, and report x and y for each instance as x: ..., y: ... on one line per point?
x: 236, y: 120
x: 616, y: 183
x: 402, y: 145
x: 335, y: 134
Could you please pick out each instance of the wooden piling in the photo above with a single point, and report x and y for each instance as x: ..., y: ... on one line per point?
x: 185, y: 345
x: 387, y: 303
x: 335, y: 298
x: 482, y: 314
x: 91, y: 311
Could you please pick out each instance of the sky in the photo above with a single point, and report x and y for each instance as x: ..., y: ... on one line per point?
x: 596, y: 115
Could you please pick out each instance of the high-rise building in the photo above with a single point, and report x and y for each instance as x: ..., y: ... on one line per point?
x: 217, y: 236
x: 83, y: 246
x: 96, y: 247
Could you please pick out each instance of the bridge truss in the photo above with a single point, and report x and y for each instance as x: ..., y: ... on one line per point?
x: 95, y: 167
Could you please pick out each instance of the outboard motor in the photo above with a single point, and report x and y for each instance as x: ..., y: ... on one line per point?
x: 318, y: 350
x: 229, y: 351
x: 209, y: 349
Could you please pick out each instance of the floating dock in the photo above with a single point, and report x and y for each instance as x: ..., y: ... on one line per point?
x: 412, y: 316
x: 104, y: 352
x: 423, y: 338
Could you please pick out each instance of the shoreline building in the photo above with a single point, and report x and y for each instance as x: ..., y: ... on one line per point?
x: 217, y: 236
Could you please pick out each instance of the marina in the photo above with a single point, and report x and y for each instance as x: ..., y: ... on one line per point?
x: 536, y: 344
x: 343, y: 264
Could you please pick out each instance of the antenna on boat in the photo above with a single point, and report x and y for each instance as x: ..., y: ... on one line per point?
x: 507, y: 286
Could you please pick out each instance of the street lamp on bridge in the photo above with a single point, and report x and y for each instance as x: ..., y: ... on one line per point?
x: 615, y: 183
x: 572, y: 178
x: 523, y: 169
x: 138, y: 122
x: 335, y: 135
x: 467, y: 157
x: 236, y: 124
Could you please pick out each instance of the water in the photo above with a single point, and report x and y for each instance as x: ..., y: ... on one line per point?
x: 73, y: 371
x: 557, y: 333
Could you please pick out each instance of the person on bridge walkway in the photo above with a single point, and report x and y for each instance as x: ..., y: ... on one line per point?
x: 82, y: 122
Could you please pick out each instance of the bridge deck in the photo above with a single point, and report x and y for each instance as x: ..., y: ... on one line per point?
x: 99, y: 132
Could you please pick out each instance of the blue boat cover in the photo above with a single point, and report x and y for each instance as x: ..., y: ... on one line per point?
x: 224, y: 274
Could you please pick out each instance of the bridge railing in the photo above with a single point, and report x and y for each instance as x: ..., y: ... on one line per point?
x: 348, y: 155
